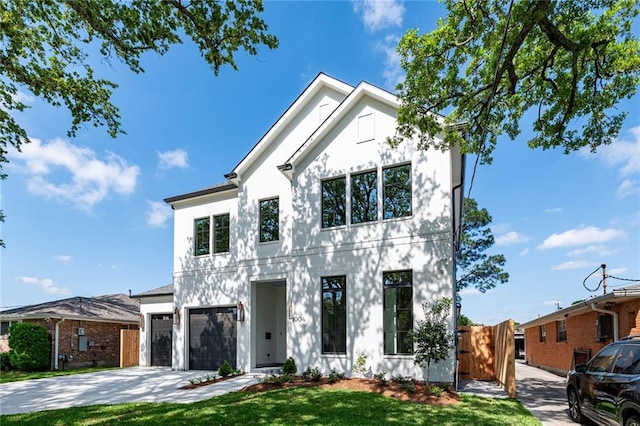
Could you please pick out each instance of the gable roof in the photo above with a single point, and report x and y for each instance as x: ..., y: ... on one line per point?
x: 165, y: 290
x: 215, y: 189
x: 623, y: 294
x: 321, y: 81
x: 109, y: 308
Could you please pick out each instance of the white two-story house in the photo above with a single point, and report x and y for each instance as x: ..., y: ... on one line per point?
x: 323, y: 243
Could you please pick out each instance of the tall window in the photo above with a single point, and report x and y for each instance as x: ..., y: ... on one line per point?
x: 269, y: 220
x: 202, y: 230
x: 561, y: 326
x: 334, y: 315
x: 333, y: 202
x: 543, y: 333
x: 364, y: 197
x: 397, y: 191
x: 398, y: 311
x: 221, y: 233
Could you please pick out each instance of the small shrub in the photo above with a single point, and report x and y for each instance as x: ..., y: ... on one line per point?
x: 312, y: 374
x: 30, y: 347
x: 405, y: 381
x: 360, y: 366
x: 437, y: 390
x: 277, y: 379
x: 289, y: 366
x: 195, y: 380
x: 381, y: 377
x: 225, y: 369
x: 5, y: 362
x: 334, y: 376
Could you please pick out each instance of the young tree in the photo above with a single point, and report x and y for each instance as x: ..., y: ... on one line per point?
x: 474, y: 266
x: 432, y: 337
x: 490, y: 61
x: 45, y: 45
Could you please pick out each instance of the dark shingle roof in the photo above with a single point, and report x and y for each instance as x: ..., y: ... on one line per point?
x: 165, y: 290
x: 111, y: 307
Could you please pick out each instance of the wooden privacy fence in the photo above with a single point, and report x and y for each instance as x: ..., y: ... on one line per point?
x: 129, y: 348
x: 488, y: 353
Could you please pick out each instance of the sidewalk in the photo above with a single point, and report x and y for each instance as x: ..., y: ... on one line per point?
x: 543, y: 394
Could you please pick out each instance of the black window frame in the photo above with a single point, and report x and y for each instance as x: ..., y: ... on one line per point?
x: 392, y: 190
x: 199, y: 241
x: 393, y: 281
x: 333, y: 214
x: 334, y: 327
x: 269, y: 230
x: 364, y: 198
x: 221, y: 243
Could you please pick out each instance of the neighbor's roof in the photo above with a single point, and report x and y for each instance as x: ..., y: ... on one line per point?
x: 108, y: 308
x: 622, y: 294
x: 165, y: 290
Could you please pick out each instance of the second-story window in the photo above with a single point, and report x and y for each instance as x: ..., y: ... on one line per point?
x: 221, y: 233
x: 334, y: 201
x: 397, y: 191
x: 364, y: 197
x: 201, y: 236
x: 269, y: 220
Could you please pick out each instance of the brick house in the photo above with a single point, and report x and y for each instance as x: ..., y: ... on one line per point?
x: 560, y: 340
x: 84, y: 331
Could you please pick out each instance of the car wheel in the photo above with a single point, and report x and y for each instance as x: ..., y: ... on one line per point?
x: 574, y: 406
x: 632, y: 421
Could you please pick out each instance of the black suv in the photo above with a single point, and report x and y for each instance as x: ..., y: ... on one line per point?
x: 607, y: 388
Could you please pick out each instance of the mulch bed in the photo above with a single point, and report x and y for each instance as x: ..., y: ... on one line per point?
x: 208, y: 382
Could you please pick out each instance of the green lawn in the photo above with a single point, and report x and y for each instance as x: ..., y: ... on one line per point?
x: 290, y: 407
x: 16, y: 376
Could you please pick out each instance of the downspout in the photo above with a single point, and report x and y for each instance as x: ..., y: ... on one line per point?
x: 616, y: 336
x: 57, y: 334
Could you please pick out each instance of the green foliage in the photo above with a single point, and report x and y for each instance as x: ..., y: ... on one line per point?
x: 289, y: 366
x: 5, y: 362
x: 335, y: 376
x: 45, y: 47
x: 474, y: 266
x: 432, y: 337
x: 312, y: 374
x: 437, y: 390
x: 406, y: 382
x: 360, y: 365
x: 30, y: 347
x: 225, y: 369
x: 278, y: 379
x: 464, y: 320
x: 568, y: 63
x: 381, y: 377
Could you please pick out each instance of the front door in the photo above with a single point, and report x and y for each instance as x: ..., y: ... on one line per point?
x: 269, y: 323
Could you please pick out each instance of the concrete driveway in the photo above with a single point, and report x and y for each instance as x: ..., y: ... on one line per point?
x: 115, y: 386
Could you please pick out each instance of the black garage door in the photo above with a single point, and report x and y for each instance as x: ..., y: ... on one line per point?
x: 212, y: 338
x: 161, y: 335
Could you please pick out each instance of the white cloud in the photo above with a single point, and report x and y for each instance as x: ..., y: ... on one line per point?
x: 64, y: 259
x: 579, y: 237
x: 572, y: 264
x: 551, y: 303
x: 44, y: 284
x: 158, y: 213
x: 393, y: 74
x: 628, y: 188
x: 617, y: 271
x: 379, y: 14
x: 623, y: 153
x: 67, y: 172
x: 524, y: 252
x: 554, y: 210
x: 468, y: 291
x: 169, y: 159
x: 598, y: 250
x: 511, y: 238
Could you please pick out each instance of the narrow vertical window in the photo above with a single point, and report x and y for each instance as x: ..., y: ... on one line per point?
x: 364, y: 197
x: 561, y: 327
x: 201, y: 240
x: 221, y: 233
x: 334, y: 315
x: 397, y: 191
x: 398, y: 312
x: 334, y: 202
x: 269, y: 220
x: 543, y: 333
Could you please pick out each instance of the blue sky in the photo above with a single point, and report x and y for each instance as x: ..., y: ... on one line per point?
x: 85, y: 215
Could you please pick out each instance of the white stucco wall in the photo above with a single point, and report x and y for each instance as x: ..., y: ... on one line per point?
x: 150, y: 306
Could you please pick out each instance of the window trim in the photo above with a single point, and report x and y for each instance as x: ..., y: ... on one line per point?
x: 345, y: 199
x: 214, y: 236
x: 403, y: 284
x: 260, y: 222
x: 561, y: 334
x: 543, y: 333
x: 352, y: 197
x: 343, y: 297
x: 196, y: 236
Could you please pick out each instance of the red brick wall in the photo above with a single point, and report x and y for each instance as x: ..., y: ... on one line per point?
x: 581, y: 334
x: 105, y: 337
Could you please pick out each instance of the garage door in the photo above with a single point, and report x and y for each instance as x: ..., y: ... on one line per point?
x: 212, y: 338
x: 161, y: 335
